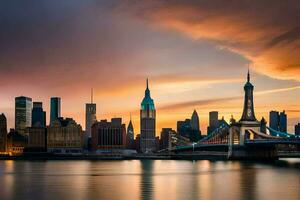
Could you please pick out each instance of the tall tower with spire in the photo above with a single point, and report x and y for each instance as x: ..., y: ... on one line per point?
x: 130, y: 135
x: 90, y: 118
x: 147, y: 123
x: 248, y: 111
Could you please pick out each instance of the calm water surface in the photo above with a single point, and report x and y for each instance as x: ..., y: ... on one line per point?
x: 160, y: 179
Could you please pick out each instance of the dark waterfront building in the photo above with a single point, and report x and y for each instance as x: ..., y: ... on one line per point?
x: 90, y: 117
x: 55, y: 108
x: 38, y: 115
x: 213, y: 121
x: 3, y: 134
x: 16, y: 142
x: 165, y: 136
x: 297, y: 129
x: 278, y: 121
x: 64, y: 136
x: 148, y: 123
x: 23, y: 113
x: 108, y: 135
x: 248, y: 111
x: 130, y: 136
x: 37, y: 139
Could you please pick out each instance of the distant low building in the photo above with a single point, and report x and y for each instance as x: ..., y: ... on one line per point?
x: 64, y: 136
x: 108, y: 135
x: 16, y: 142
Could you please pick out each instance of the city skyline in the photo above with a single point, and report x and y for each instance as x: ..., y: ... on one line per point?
x: 188, y: 64
x: 204, y: 127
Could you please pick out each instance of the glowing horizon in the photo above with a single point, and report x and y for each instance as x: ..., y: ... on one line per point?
x: 196, y: 55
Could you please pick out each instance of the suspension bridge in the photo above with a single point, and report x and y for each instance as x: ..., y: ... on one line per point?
x: 244, y: 139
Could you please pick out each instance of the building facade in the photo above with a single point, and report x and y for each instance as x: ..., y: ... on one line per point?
x: 64, y: 136
x: 107, y: 136
x: 23, y: 113
x: 3, y: 134
x: 148, y: 123
x: 37, y: 139
x: 55, y: 108
x: 38, y: 115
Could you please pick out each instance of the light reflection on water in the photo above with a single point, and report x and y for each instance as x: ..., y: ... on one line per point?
x: 147, y: 179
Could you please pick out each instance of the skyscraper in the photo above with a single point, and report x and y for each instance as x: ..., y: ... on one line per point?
x: 90, y: 116
x: 55, y: 103
x: 23, y: 111
x: 278, y: 121
x: 195, y: 121
x: 213, y: 121
x: 3, y: 133
x: 282, y: 122
x: 248, y: 111
x: 38, y: 115
x: 190, y: 128
x: 147, y: 123
x: 274, y: 120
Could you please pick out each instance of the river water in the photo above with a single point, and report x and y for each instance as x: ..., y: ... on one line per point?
x: 149, y: 179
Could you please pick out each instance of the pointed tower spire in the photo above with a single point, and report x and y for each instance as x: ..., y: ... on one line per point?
x: 248, y: 75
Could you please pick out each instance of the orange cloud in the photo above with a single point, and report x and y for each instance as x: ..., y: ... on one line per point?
x: 266, y: 33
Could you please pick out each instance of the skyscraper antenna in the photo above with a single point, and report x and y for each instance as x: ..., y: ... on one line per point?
x: 248, y: 75
x: 91, y: 95
x: 147, y: 83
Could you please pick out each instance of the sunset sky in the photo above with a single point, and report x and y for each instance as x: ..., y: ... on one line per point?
x: 195, y: 54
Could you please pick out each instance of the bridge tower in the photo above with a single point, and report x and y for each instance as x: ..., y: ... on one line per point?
x: 238, y: 131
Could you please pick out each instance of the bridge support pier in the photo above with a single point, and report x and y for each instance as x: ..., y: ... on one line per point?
x: 253, y: 153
